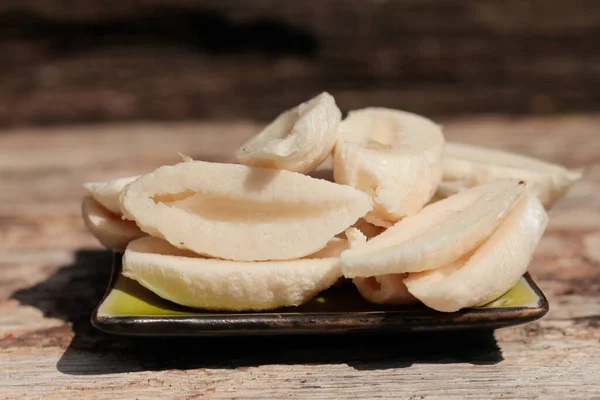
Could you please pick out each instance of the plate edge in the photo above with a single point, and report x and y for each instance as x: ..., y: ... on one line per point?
x: 111, y: 324
x: 114, y: 275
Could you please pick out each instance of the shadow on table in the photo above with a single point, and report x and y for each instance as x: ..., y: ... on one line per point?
x: 73, y: 292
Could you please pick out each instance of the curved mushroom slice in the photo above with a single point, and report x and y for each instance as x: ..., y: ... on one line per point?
x: 385, y: 289
x: 190, y: 280
x: 392, y: 155
x: 491, y: 270
x: 108, y: 228
x: 298, y: 140
x: 439, y: 234
x: 467, y: 166
x: 107, y: 193
x: 241, y: 213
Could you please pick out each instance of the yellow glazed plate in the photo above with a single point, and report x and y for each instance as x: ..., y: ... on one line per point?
x: 130, y: 309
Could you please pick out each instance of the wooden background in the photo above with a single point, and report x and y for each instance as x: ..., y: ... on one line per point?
x: 78, y: 61
x: 53, y: 273
x: 117, y: 62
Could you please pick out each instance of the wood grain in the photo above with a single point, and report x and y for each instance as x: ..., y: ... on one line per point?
x: 78, y: 61
x: 53, y: 273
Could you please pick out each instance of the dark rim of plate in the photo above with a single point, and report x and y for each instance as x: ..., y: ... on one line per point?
x: 272, y: 322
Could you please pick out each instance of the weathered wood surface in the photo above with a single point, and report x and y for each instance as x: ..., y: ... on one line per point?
x: 95, y: 60
x: 53, y: 274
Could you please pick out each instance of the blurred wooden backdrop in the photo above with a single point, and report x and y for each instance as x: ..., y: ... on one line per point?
x: 97, y: 60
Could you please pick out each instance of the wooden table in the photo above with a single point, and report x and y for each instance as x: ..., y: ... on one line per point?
x: 53, y: 273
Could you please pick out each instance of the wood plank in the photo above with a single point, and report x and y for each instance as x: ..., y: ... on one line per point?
x: 53, y: 273
x: 84, y: 61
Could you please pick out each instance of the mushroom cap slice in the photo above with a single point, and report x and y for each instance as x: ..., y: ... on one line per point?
x: 491, y: 269
x: 394, y: 156
x: 467, y: 166
x: 298, y: 140
x: 438, y: 235
x: 107, y: 193
x: 185, y: 278
x: 241, y: 213
x: 110, y: 230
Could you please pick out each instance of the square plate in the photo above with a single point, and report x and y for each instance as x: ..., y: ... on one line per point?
x: 129, y: 309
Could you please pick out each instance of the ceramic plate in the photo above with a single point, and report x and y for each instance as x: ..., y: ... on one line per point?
x: 129, y: 309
